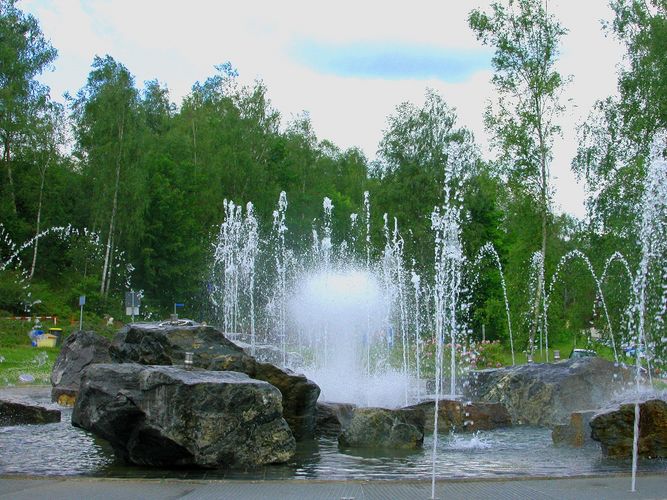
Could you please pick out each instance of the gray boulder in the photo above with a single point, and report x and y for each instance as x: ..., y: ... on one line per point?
x: 614, y: 429
x: 16, y: 412
x: 299, y: 393
x: 169, y: 416
x: 81, y: 349
x: 164, y: 344
x: 547, y: 394
x: 462, y: 416
x: 383, y: 428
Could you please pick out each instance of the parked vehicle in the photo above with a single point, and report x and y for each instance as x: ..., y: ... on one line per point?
x: 582, y: 353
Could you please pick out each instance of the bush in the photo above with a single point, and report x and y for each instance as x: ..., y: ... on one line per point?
x: 487, y: 354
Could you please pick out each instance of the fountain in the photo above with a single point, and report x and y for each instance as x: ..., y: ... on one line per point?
x: 360, y: 325
x: 362, y: 321
x: 653, y: 239
x: 90, y: 240
x: 489, y: 249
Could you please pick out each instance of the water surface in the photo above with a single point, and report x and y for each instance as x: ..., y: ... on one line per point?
x: 60, y: 449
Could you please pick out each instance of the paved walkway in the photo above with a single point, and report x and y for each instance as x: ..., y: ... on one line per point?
x: 653, y: 486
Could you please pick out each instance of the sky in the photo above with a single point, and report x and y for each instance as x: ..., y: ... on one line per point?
x: 348, y: 63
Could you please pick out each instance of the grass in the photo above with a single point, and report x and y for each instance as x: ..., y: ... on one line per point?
x: 18, y: 357
x: 26, y: 360
x: 565, y: 348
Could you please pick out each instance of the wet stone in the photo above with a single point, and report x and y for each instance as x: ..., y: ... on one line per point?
x: 576, y: 433
x: 170, y: 416
x: 614, y: 429
x: 333, y: 417
x: 81, y: 349
x: 384, y: 428
x: 462, y: 416
x: 547, y: 393
x: 165, y: 344
x: 15, y: 412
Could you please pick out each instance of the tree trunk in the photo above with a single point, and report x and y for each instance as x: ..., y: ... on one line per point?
x: 106, y: 270
x: 109, y: 275
x: 10, y: 177
x: 37, y: 226
x: 543, y: 247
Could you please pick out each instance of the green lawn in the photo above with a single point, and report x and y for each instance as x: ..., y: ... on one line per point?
x: 36, y: 362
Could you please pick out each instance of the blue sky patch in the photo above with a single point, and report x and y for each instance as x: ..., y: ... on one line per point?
x: 391, y: 61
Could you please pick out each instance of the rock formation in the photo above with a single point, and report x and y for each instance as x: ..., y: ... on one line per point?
x: 576, y: 433
x: 383, y: 428
x: 163, y: 344
x: 547, y: 394
x: 16, y: 412
x: 169, y: 416
x: 464, y: 416
x: 332, y: 418
x: 81, y: 349
x: 614, y: 429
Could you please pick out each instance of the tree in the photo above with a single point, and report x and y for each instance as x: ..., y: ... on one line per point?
x: 418, y: 146
x: 24, y: 54
x: 616, y: 138
x: 642, y: 26
x: 44, y: 142
x: 614, y: 151
x: 107, y: 128
x: 525, y: 37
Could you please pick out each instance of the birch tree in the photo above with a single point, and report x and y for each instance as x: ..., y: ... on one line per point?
x: 24, y: 54
x: 525, y: 38
x: 106, y: 117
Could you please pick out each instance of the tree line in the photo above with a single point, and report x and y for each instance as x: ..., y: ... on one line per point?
x: 148, y: 178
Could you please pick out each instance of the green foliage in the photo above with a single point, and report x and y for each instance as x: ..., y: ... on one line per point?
x: 642, y: 27
x: 419, y: 145
x: 526, y: 40
x: 614, y: 150
x: 487, y: 354
x: 24, y: 102
x: 12, y: 291
x: 108, y: 129
x: 150, y: 179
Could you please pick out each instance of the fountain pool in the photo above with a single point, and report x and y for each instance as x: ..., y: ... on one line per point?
x: 63, y: 450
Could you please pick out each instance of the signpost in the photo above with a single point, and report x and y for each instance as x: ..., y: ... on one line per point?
x: 132, y: 303
x: 177, y: 304
x: 82, y: 301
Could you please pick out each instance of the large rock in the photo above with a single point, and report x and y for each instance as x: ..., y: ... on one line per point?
x: 383, y: 428
x: 614, y: 428
x: 80, y: 350
x: 299, y: 394
x: 461, y: 416
x: 169, y: 416
x: 15, y: 412
x: 332, y: 418
x: 164, y: 344
x: 547, y: 394
x: 576, y: 433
